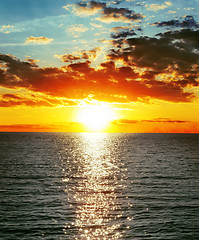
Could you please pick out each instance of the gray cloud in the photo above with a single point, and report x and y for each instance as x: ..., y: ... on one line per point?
x: 108, y: 14
x: 173, y: 51
x: 123, y: 34
x: 188, y: 22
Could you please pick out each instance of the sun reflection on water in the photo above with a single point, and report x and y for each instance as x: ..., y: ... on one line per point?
x: 94, y: 194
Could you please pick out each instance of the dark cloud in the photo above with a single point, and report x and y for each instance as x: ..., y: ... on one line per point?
x: 120, y: 34
x: 81, y: 67
x: 119, y: 14
x: 118, y: 43
x: 188, y: 22
x: 78, y: 80
x: 149, y: 75
x: 123, y: 34
x: 69, y: 58
x: 108, y: 65
x: 109, y: 14
x: 173, y: 52
x: 92, y: 5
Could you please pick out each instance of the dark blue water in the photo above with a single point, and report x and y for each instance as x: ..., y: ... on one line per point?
x: 99, y: 186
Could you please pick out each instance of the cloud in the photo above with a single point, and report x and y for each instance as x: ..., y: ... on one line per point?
x: 123, y: 34
x: 67, y: 57
x: 38, y: 40
x: 11, y: 100
x: 174, y: 54
x: 77, y: 28
x: 96, y: 25
x: 171, y: 12
x: 120, y: 34
x: 65, y: 127
x: 188, y: 22
x: 157, y: 7
x: 107, y: 14
x: 89, y: 8
x: 78, y: 80
x: 154, y: 120
x: 110, y: 14
x: 11, y: 96
x: 68, y: 6
x: 164, y: 120
x: 91, y: 54
x: 157, y: 125
x: 31, y: 128
x: 25, y: 128
x: 32, y: 61
x: 6, y: 28
x: 14, y: 100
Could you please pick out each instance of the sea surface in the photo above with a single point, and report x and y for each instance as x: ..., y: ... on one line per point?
x: 99, y: 186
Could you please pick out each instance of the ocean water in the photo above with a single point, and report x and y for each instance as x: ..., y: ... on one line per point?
x: 99, y: 186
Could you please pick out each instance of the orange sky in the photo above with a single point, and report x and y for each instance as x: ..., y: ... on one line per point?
x: 142, y: 68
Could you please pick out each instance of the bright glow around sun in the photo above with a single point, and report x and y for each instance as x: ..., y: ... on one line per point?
x: 96, y: 116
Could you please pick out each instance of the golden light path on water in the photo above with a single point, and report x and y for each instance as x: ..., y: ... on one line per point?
x: 94, y: 193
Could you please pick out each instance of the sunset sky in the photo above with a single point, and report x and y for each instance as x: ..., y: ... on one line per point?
x: 128, y: 66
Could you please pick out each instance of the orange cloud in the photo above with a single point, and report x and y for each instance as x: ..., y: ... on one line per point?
x: 119, y: 15
x: 38, y: 40
x: 154, y: 120
x: 65, y: 127
x: 14, y: 100
x: 32, y: 61
x: 157, y: 125
x: 92, y: 54
x: 78, y: 80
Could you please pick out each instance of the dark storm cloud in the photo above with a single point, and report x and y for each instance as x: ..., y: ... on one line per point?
x: 188, y: 22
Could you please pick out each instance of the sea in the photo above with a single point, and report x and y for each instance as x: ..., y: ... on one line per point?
x: 86, y: 186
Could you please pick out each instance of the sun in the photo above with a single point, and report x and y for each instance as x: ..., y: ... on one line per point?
x: 96, y: 117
